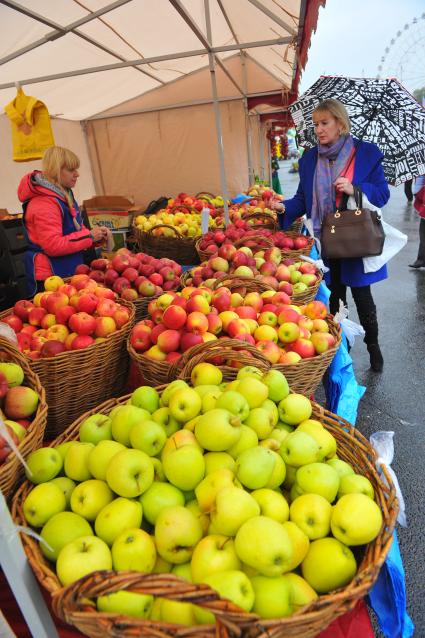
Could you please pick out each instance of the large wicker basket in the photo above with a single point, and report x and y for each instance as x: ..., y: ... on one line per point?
x: 252, y: 240
x: 73, y: 603
x: 11, y: 470
x: 141, y: 307
x: 79, y: 379
x: 259, y: 221
x: 302, y: 298
x: 295, y: 253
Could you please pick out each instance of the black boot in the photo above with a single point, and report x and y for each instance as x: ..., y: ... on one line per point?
x: 420, y: 259
x: 376, y: 358
x: 419, y: 263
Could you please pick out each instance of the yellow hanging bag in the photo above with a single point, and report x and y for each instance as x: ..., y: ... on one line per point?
x: 31, y: 128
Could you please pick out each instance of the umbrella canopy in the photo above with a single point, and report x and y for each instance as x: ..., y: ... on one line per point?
x: 381, y: 111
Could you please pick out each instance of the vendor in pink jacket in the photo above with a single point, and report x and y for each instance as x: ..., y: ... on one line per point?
x: 52, y: 219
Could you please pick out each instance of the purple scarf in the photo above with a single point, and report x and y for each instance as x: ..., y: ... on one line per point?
x: 331, y: 161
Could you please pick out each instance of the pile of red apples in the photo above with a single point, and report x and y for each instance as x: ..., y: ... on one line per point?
x: 66, y: 316
x: 241, y: 230
x: 284, y: 333
x: 134, y: 275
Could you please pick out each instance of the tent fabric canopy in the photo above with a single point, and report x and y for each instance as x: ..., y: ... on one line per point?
x: 47, y: 38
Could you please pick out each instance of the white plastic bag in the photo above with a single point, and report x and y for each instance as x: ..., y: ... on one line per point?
x: 7, y: 332
x: 383, y: 444
x: 350, y: 328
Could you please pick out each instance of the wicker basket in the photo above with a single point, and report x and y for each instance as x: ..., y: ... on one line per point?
x: 308, y: 295
x: 296, y: 253
x: 261, y: 220
x: 305, y: 375
x: 243, y: 285
x: 297, y: 225
x: 179, y: 248
x: 153, y: 372
x: 254, y: 241
x: 141, y: 307
x: 73, y: 603
x: 79, y: 379
x: 11, y: 470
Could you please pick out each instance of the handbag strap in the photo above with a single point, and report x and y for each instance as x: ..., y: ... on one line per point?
x: 358, y: 197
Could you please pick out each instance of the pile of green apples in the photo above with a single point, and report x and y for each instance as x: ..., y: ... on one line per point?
x: 229, y: 484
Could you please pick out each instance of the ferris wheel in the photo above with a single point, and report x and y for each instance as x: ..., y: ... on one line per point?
x: 404, y: 57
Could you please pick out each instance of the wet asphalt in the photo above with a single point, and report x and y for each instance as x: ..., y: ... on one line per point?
x: 395, y: 399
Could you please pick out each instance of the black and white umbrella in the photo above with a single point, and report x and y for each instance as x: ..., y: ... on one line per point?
x: 381, y: 111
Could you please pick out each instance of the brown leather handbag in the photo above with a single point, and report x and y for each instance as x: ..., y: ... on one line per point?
x: 352, y: 233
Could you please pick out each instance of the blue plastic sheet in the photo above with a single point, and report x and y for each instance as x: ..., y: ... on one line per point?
x: 388, y: 596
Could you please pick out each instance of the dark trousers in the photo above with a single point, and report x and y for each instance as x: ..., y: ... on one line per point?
x: 363, y: 299
x: 421, y: 250
x: 408, y: 190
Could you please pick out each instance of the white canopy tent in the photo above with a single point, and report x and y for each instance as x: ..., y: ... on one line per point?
x: 154, y: 95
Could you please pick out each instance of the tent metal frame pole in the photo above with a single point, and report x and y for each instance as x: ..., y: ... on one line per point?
x: 247, y: 122
x: 217, y: 115
x: 142, y: 61
x: 274, y: 17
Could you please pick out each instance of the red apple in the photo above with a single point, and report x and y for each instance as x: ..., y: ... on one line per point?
x: 315, y: 310
x: 52, y: 348
x: 289, y: 314
x: 83, y: 324
x: 58, y: 332
x: 168, y: 341
x: 82, y: 269
x: 106, y: 308
x: 99, y: 264
x: 104, y: 326
x: 24, y: 341
x: 22, y: 308
x: 189, y: 339
x: 14, y: 322
x: 36, y: 315
x: 174, y: 317
x: 129, y: 294
x: 303, y: 347
x: 121, y: 284
x: 270, y: 350
x: 55, y: 301
x: 88, y: 303
x: 81, y: 341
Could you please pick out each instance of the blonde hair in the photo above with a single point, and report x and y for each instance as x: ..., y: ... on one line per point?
x: 339, y: 112
x: 54, y: 160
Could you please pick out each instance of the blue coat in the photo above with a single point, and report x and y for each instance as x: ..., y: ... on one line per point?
x: 369, y: 176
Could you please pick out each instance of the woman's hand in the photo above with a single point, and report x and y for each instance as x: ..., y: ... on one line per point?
x: 98, y: 234
x: 343, y: 185
x: 279, y: 207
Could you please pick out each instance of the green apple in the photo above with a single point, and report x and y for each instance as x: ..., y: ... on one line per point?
x: 329, y: 565
x: 217, y: 430
x: 343, y: 468
x: 277, y: 384
x: 260, y: 421
x: 206, y: 374
x: 279, y: 435
x: 60, y: 530
x: 185, y: 404
x: 356, y: 519
x: 326, y: 441
x: 230, y: 386
x: 272, y: 504
x: 172, y: 387
x: 117, y: 517
x: 177, y: 532
x: 264, y: 544
x: 214, y: 553
x: 218, y: 461
x: 179, y: 439
x: 158, y: 472
x: 248, y: 439
x: 318, y: 478
x: 168, y: 422
x: 82, y: 556
x: 206, y: 491
x: 260, y: 467
x: 271, y: 408
x: 18, y: 429
x: 204, y: 519
x: 100, y: 457
x: 95, y: 428
x: 63, y: 448
x: 67, y: 486
x: 76, y: 461
x: 134, y: 550
x: 291, y: 473
x: 254, y: 391
x: 161, y: 566
x: 233, y: 507
x: 174, y: 611
x: 302, y: 593
x: 43, y: 502
x: 272, y: 596
x: 233, y: 402
x: 190, y: 425
x: 299, y: 544
x: 43, y: 465
x: 184, y: 570
x: 233, y: 585
x: 148, y: 436
x: 126, y: 603
x: 89, y: 497
x: 129, y: 473
x: 209, y: 400
x: 299, y: 449
x: 312, y: 514
x: 356, y: 484
x: 270, y: 444
x: 294, y: 408
x: 146, y: 398
x: 184, y: 467
x: 250, y: 372
x: 202, y: 390
x: 124, y: 419
x: 158, y: 496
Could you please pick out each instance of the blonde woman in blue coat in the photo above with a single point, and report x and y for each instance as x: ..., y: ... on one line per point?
x: 327, y: 171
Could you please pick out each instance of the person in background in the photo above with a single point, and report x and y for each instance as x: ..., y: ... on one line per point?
x: 328, y: 171
x: 275, y: 176
x: 408, y: 190
x: 419, y: 206
x: 56, y: 234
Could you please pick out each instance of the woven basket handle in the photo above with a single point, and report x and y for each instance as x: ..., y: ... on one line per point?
x: 177, y: 232
x: 223, y: 348
x: 201, y: 193
x: 183, y: 207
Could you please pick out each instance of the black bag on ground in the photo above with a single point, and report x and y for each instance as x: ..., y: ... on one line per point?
x: 156, y: 205
x: 352, y: 233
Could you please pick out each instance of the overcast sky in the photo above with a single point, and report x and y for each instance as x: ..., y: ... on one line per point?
x: 351, y: 38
